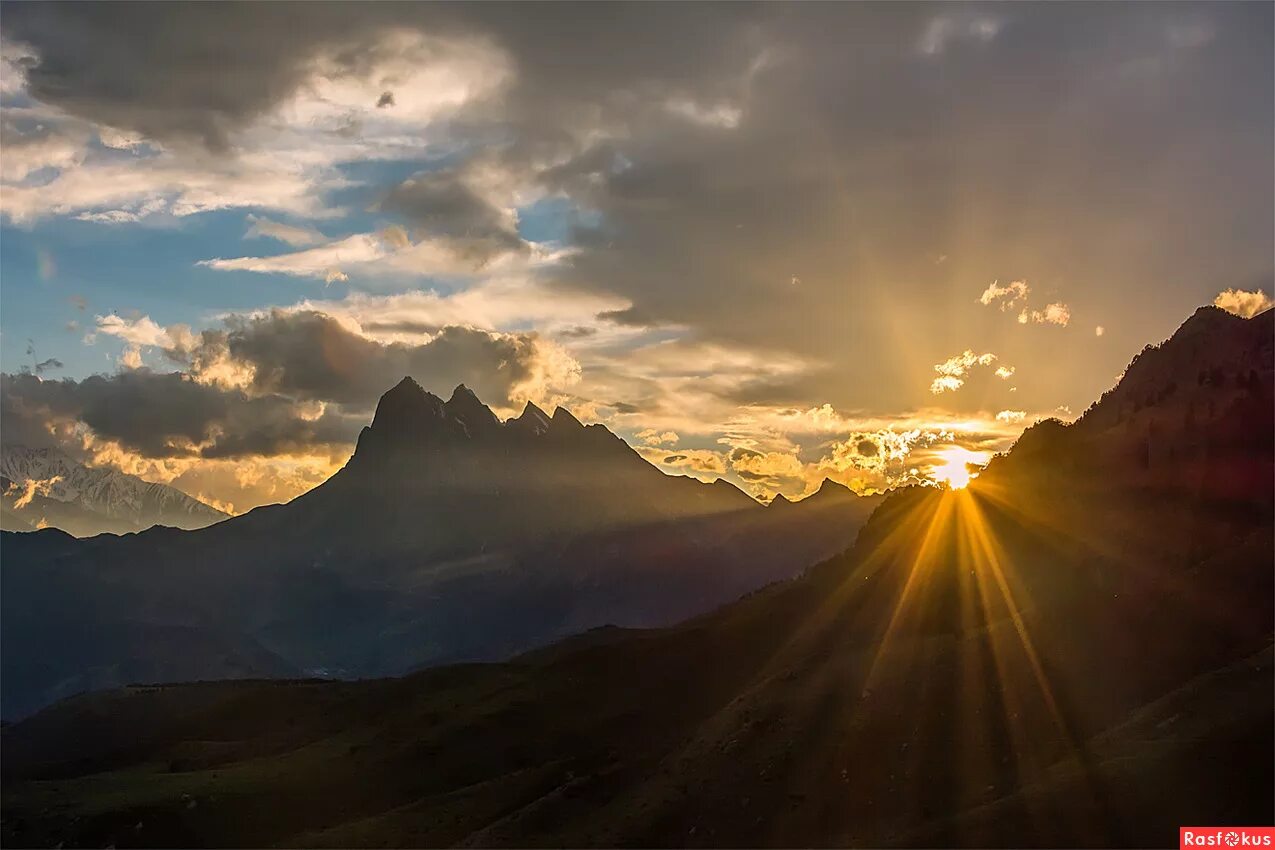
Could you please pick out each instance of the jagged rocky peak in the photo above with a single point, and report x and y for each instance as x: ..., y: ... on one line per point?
x: 563, y: 417
x: 532, y: 419
x: 779, y: 501
x: 405, y: 406
x: 466, y: 407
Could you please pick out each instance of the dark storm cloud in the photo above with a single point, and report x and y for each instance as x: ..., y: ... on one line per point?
x: 630, y: 317
x: 195, y: 72
x: 312, y: 356
x: 181, y: 72
x: 296, y: 360
x: 162, y: 415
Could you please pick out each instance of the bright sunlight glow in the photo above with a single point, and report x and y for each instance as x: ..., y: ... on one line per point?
x: 954, y: 468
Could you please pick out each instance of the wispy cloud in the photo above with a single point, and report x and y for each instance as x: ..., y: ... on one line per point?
x: 1015, y: 295
x: 290, y: 234
x: 1053, y: 314
x: 1007, y: 296
x: 954, y: 370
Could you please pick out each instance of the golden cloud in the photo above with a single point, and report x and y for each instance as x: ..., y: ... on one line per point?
x: 1242, y: 302
x: 952, y: 372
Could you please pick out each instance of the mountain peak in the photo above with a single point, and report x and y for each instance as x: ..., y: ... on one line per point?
x: 562, y: 416
x: 833, y: 489
x: 468, y: 409
x: 531, y: 419
x: 405, y: 404
x: 1207, y: 319
x: 405, y: 386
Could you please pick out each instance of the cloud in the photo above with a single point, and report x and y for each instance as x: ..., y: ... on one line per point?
x: 116, y: 192
x: 693, y: 177
x: 654, y: 438
x: 131, y: 358
x: 465, y: 203
x: 29, y: 489
x: 1011, y: 416
x: 291, y: 234
x: 948, y: 29
x: 263, y: 389
x: 721, y: 115
x: 1005, y: 372
x: 32, y: 148
x: 271, y: 135
x: 162, y: 415
x: 244, y: 483
x: 700, y: 463
x: 499, y: 302
x: 1243, y: 303
x: 1099, y: 330
x: 1006, y: 296
x: 1014, y: 295
x: 138, y: 331
x: 954, y: 370
x: 390, y: 252
x: 313, y: 356
x: 1053, y: 314
x: 771, y: 468
x: 321, y: 262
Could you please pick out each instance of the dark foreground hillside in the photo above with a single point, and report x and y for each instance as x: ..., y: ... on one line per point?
x: 1077, y: 650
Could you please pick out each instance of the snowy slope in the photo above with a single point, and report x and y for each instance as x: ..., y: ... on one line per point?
x: 47, y: 487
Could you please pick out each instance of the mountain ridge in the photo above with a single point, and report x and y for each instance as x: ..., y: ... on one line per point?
x: 91, y: 500
x: 447, y: 536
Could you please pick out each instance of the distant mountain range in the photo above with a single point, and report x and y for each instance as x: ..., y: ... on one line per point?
x: 1074, y: 651
x: 448, y: 536
x: 46, y: 488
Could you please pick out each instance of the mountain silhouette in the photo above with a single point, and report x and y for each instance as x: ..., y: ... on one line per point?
x: 1076, y: 650
x: 448, y: 536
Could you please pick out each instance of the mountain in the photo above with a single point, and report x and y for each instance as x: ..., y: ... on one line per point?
x: 1076, y: 650
x: 448, y: 536
x: 44, y: 487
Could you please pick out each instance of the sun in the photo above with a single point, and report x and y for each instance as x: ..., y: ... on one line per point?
x: 954, y: 467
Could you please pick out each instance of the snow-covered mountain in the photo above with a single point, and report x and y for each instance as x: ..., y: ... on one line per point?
x: 46, y: 487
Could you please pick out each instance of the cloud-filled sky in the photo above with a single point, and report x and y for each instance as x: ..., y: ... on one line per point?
x: 770, y: 242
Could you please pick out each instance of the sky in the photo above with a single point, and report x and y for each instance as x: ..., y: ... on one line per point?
x: 772, y: 243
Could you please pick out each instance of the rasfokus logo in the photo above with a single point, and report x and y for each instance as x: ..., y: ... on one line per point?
x: 1226, y: 836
